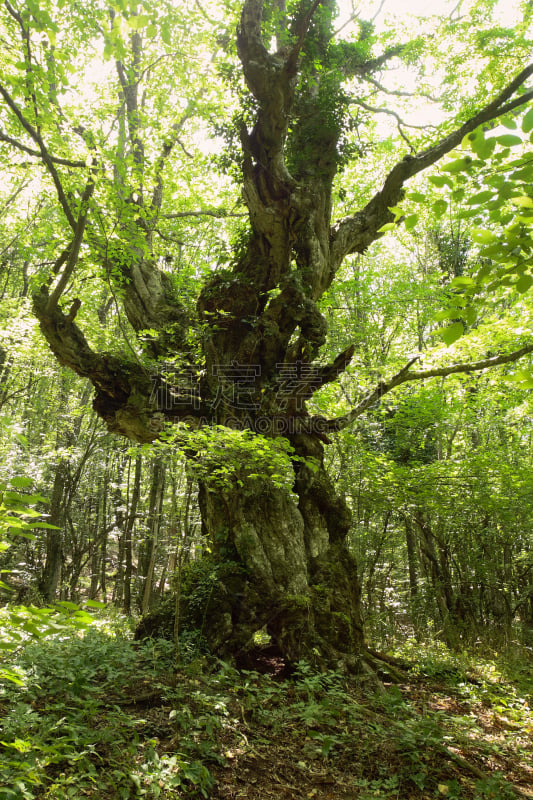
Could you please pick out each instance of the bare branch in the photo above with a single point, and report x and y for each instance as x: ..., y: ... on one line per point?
x: 355, y: 15
x: 129, y: 82
x: 378, y: 12
x: 218, y: 213
x: 455, y: 15
x: 405, y: 375
x: 400, y: 122
x: 167, y: 238
x: 204, y: 13
x: 17, y: 393
x: 13, y: 196
x: 14, y: 13
x: 398, y: 92
x: 66, y: 162
x: 168, y: 146
x: 26, y: 43
x: 350, y: 19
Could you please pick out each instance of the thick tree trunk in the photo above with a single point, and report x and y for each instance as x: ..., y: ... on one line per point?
x: 282, y: 564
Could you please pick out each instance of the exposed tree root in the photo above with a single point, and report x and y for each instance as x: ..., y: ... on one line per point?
x: 462, y: 762
x: 476, y: 771
x: 384, y: 665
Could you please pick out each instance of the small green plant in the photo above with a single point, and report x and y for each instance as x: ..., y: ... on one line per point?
x: 162, y: 777
x: 493, y: 788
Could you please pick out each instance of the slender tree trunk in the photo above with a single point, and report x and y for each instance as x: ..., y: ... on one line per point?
x: 440, y: 578
x: 152, y: 541
x: 370, y: 585
x: 5, y: 369
x: 410, y: 541
x: 128, y: 531
x: 66, y: 481
x: 103, y: 537
x: 120, y: 523
x: 54, y: 538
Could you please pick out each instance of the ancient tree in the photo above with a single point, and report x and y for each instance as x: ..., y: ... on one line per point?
x: 248, y: 354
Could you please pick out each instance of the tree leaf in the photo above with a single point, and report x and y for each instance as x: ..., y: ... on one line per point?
x: 480, y: 197
x: 523, y: 378
x: 440, y: 180
x: 165, y: 33
x: 523, y: 283
x: 508, y: 140
x: 447, y: 313
x: 462, y: 281
x: 459, y: 165
x: 452, y: 333
x: 482, y: 236
x: 482, y: 147
x: 21, y: 482
x: 527, y: 121
x: 439, y: 208
x: 138, y: 22
x: 523, y: 201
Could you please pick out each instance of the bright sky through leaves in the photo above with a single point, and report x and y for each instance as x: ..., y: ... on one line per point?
x: 505, y: 12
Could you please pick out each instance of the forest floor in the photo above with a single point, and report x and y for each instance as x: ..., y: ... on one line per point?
x: 99, y: 716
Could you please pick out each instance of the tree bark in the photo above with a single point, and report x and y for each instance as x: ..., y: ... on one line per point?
x: 128, y: 531
x: 148, y: 554
x: 410, y: 541
x: 51, y: 574
x: 283, y: 564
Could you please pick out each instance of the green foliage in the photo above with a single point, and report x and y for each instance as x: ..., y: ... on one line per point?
x: 200, y: 579
x: 163, y: 776
x: 18, y: 518
x: 81, y: 726
x: 491, y: 192
x: 451, y: 462
x: 223, y: 457
x: 66, y: 735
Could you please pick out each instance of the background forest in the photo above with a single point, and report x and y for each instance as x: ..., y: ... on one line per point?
x: 146, y: 101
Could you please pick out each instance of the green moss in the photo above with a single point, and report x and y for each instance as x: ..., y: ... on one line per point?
x: 297, y: 602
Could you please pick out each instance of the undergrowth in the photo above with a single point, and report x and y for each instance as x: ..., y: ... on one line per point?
x: 99, y: 716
